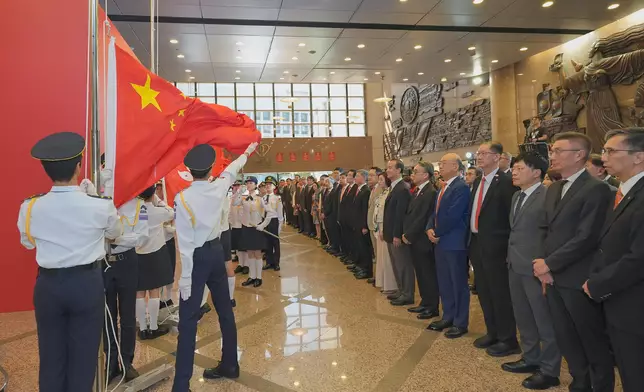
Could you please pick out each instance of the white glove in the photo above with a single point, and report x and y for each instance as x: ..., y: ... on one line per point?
x: 185, y: 288
x: 86, y: 186
x: 251, y: 148
x: 106, y: 177
x: 158, y: 202
x: 260, y: 227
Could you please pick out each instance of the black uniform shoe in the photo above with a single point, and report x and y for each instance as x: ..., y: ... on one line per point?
x: 393, y: 296
x: 484, y: 341
x: 233, y: 303
x: 160, y: 331
x: 502, y: 349
x: 277, y: 268
x: 239, y: 269
x: 130, y: 373
x: 257, y: 283
x: 245, y: 270
x: 220, y: 372
x: 401, y: 302
x: 267, y: 267
x: 362, y: 275
x: 455, y: 332
x: 114, y: 375
x: 144, y: 335
x: 540, y: 381
x: 351, y: 267
x: 439, y: 325
x: 203, y: 310
x: 520, y: 366
x: 165, y: 304
x: 371, y: 280
x: 417, y: 309
x: 427, y: 314
x: 248, y: 282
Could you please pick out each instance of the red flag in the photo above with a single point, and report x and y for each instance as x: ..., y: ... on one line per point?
x: 156, y: 125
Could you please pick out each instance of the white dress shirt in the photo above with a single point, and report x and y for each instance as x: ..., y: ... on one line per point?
x: 395, y: 182
x: 570, y: 179
x: 627, y: 185
x: 527, y: 192
x: 68, y: 227
x: 157, y: 216
x: 199, y: 212
x: 134, y: 216
x: 272, y: 205
x: 486, y: 187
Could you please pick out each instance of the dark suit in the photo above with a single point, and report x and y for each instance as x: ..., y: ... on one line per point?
x: 488, y: 252
x: 285, y: 194
x: 450, y: 221
x: 617, y: 279
x: 299, y: 205
x: 531, y: 310
x: 309, y: 193
x: 362, y: 242
x: 345, y: 216
x: 330, y: 208
x: 612, y: 181
x: 420, y: 208
x: 573, y: 226
x: 396, y: 206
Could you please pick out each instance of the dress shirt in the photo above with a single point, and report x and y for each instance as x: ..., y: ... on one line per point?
x: 157, y: 216
x: 421, y: 186
x: 488, y: 182
x: 68, y: 227
x: 570, y: 180
x: 197, y: 218
x: 395, y: 182
x: 272, y: 206
x: 626, y: 186
x: 234, y: 217
x: 527, y: 192
x: 252, y: 212
x: 134, y: 216
x: 169, y: 231
x: 360, y: 188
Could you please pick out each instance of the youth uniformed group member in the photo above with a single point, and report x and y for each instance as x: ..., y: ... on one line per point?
x: 198, y: 212
x: 226, y: 243
x: 234, y: 218
x: 168, y: 231
x: 68, y: 229
x: 272, y: 223
x: 252, y: 241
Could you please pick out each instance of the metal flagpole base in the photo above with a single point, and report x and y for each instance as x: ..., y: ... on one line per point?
x: 148, y: 379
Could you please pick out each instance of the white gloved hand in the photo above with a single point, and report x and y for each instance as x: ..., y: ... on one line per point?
x: 251, y: 148
x: 106, y: 177
x: 86, y: 186
x: 185, y: 288
x: 158, y: 202
x: 260, y: 228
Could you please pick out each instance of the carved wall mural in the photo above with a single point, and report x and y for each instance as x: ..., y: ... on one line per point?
x: 423, y: 125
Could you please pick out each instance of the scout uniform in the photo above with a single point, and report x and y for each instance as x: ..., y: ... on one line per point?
x: 272, y: 223
x: 252, y: 239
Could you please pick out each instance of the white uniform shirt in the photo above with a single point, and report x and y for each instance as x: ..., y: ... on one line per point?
x: 200, y: 211
x: 234, y: 215
x: 157, y: 216
x: 222, y: 224
x: 272, y: 205
x: 68, y: 227
x: 134, y: 216
x: 252, y: 211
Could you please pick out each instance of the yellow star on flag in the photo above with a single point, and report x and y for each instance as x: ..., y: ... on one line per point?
x: 148, y: 96
x: 183, y: 95
x: 172, y: 125
x: 182, y: 112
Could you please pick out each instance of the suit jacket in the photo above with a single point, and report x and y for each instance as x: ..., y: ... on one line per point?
x: 346, y: 204
x: 612, y: 181
x: 573, y: 224
x: 395, y: 209
x: 452, y: 220
x: 308, y: 198
x: 360, y: 209
x: 298, y: 196
x: 420, y: 208
x: 494, y: 217
x: 527, y: 231
x: 617, y: 272
x: 330, y: 203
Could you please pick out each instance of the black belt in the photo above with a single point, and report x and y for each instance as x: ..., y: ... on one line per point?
x: 59, y: 271
x: 119, y: 256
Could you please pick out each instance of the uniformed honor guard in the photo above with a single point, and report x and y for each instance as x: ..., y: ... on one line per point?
x: 67, y: 227
x: 272, y: 223
x: 234, y: 218
x: 252, y: 241
x: 198, y: 212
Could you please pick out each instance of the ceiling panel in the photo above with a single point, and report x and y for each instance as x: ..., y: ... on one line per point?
x: 327, y: 5
x: 285, y: 49
x: 433, y: 19
x: 358, y: 33
x: 241, y: 3
x: 239, y: 30
x: 177, y: 72
x: 247, y: 73
x: 488, y: 8
x: 182, y: 8
x: 348, y: 48
x: 395, y: 6
x: 224, y: 49
x: 315, y: 15
x: 307, y: 32
x: 369, y: 16
x: 240, y: 13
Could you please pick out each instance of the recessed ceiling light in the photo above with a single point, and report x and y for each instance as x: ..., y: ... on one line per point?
x: 301, y: 44
x: 323, y: 78
x: 366, y: 79
x: 403, y: 1
x: 332, y: 73
x: 495, y: 61
x: 239, y: 43
x: 448, y: 60
x: 237, y: 78
x: 534, y: 80
x: 547, y: 4
x: 237, y: 71
x: 421, y: 73
x: 174, y: 41
x: 477, y: 1
x: 188, y: 71
x: 238, y: 57
x: 477, y: 81
x: 405, y: 79
x: 418, y: 47
x: 377, y: 73
x: 523, y: 49
x: 281, y: 78
x: 294, y: 58
x: 444, y: 80
x: 192, y: 77
x: 347, y: 59
x: 472, y: 48
x: 462, y: 73
x: 180, y: 56
x: 398, y: 59
x: 285, y: 72
x: 361, y: 46
x: 519, y: 74
x: 613, y: 6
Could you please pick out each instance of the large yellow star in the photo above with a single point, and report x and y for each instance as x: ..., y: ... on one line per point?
x: 182, y: 112
x: 183, y: 95
x: 148, y: 96
x: 172, y: 125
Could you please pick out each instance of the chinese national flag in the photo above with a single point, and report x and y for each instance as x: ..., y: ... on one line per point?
x: 154, y: 125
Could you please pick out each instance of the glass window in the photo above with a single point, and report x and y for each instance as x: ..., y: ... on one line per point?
x: 264, y: 117
x: 338, y: 90
x: 266, y: 130
x: 356, y: 103
x: 302, y: 130
x: 302, y: 104
x: 321, y: 116
x: 226, y: 89
x: 205, y: 89
x: 250, y: 114
x: 264, y: 103
x: 281, y: 105
x: 301, y: 90
x: 187, y: 88
x: 226, y: 101
x: 356, y: 90
x: 320, y: 103
x: 208, y: 99
x: 356, y: 130
x: 263, y: 89
x: 283, y: 117
x: 356, y: 117
x: 320, y: 90
x: 284, y: 131
x: 245, y: 103
x: 282, y: 90
x: 245, y: 89
x: 302, y: 117
x: 339, y: 117
x: 320, y: 130
x: 338, y: 103
x: 338, y: 130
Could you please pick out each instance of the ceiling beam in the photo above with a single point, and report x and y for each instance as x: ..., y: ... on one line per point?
x: 346, y: 25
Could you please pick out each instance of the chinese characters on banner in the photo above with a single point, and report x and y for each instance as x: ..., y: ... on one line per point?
x: 292, y: 157
x: 305, y: 156
x: 279, y: 157
x: 331, y: 156
x: 318, y: 156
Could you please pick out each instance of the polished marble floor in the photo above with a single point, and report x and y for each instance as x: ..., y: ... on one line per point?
x: 310, y: 327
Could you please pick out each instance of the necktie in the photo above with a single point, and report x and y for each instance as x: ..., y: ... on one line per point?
x: 438, y: 205
x: 250, y: 198
x: 563, y: 183
x: 519, y: 204
x: 479, y: 203
x: 618, y: 197
x: 416, y: 192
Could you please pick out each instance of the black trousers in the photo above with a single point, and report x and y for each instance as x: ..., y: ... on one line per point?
x: 581, y: 335
x: 348, y: 247
x: 69, y: 317
x: 362, y: 244
x: 120, y: 282
x: 300, y: 219
x: 629, y: 354
x: 424, y: 261
x: 272, y: 244
x: 333, y: 232
x: 309, y: 227
x: 493, y: 287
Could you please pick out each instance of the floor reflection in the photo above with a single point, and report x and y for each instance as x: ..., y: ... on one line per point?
x: 308, y: 329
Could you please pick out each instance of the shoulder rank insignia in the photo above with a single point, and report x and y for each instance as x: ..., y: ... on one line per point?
x: 35, y: 196
x: 100, y: 197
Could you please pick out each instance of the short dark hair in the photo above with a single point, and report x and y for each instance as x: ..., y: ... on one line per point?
x: 400, y: 165
x: 352, y: 171
x: 310, y: 178
x: 200, y: 174
x: 495, y: 147
x: 324, y: 176
x: 478, y: 170
x: 580, y: 138
x: 428, y: 167
x: 148, y: 192
x: 534, y: 162
x: 596, y: 160
x: 633, y: 137
x: 376, y: 169
x: 62, y: 171
x: 387, y: 180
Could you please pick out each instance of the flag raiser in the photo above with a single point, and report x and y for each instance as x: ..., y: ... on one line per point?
x: 151, y: 125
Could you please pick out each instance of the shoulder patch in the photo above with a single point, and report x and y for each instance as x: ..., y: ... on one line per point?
x: 35, y: 196
x: 100, y: 197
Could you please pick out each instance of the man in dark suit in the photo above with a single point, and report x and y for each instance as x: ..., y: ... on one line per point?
x: 490, y: 228
x: 596, y: 168
x: 396, y: 206
x: 575, y: 208
x: 420, y: 208
x: 362, y: 238
x: 299, y: 204
x: 617, y: 273
x: 308, y: 207
x: 330, y: 211
x: 541, y: 354
x: 285, y: 194
x: 346, y: 215
x: 447, y: 230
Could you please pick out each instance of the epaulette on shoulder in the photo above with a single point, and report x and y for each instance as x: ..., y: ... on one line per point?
x: 35, y: 196
x: 100, y: 197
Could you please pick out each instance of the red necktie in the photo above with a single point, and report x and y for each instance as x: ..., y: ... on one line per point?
x: 438, y: 205
x: 618, y: 197
x: 479, y: 203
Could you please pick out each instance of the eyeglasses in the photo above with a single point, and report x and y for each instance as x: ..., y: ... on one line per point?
x: 611, y: 151
x: 484, y: 153
x: 558, y: 151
